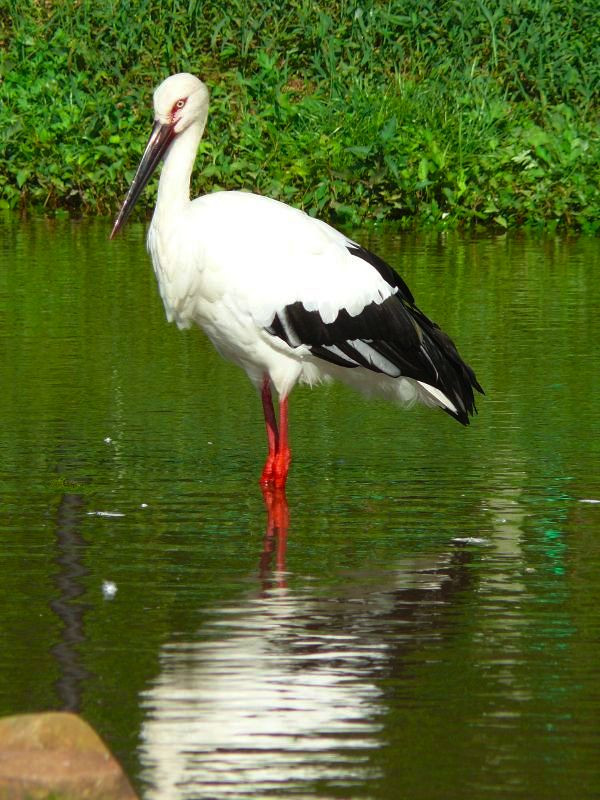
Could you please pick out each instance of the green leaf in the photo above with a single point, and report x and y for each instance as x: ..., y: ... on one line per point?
x: 22, y: 176
x: 389, y: 129
x: 359, y: 150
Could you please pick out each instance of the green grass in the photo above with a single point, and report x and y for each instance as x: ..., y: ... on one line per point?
x: 430, y: 112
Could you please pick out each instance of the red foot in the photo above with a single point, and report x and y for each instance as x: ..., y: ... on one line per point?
x: 276, y: 469
x: 267, y: 477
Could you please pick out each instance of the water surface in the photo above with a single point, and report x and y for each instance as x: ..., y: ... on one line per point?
x: 427, y: 623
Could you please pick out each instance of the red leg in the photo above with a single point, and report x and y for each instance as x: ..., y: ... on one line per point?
x: 272, y: 433
x: 277, y: 465
x: 283, y: 456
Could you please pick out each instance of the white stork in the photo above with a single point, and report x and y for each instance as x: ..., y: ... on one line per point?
x: 283, y: 295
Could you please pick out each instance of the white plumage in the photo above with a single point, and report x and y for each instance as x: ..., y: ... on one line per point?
x: 285, y: 296
x: 240, y: 264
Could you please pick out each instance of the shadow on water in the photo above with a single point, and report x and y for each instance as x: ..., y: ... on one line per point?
x: 282, y: 689
x: 68, y: 607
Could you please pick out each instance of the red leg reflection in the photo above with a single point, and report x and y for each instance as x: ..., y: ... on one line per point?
x: 278, y: 520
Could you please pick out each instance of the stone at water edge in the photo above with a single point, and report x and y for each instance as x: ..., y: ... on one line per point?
x: 57, y: 753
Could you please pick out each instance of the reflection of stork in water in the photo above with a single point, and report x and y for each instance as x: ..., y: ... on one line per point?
x: 281, y: 688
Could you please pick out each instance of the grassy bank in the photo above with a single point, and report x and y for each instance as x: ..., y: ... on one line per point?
x: 441, y: 112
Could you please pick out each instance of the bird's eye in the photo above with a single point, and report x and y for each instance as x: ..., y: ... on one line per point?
x: 180, y: 104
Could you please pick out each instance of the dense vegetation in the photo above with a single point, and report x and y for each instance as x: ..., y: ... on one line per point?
x: 439, y: 110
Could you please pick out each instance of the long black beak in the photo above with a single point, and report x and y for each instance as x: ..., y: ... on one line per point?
x: 161, y: 137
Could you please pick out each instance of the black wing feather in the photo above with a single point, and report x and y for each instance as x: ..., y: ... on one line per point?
x: 394, y: 329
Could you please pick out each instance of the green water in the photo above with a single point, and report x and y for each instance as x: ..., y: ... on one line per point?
x: 428, y: 628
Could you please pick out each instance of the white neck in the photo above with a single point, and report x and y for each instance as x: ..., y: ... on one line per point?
x: 174, y: 185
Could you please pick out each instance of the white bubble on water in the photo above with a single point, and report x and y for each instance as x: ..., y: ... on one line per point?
x: 109, y: 589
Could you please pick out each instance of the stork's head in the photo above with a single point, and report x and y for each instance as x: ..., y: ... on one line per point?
x: 179, y: 102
